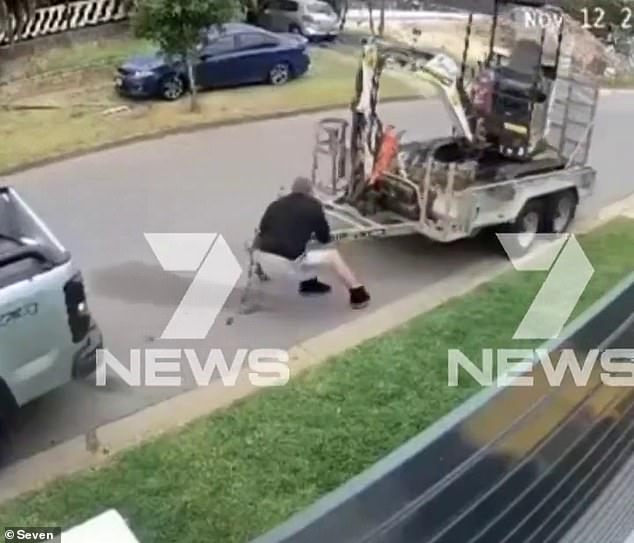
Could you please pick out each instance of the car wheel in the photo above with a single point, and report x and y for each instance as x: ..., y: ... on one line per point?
x: 172, y: 87
x: 279, y: 74
x: 560, y: 211
x: 524, y: 230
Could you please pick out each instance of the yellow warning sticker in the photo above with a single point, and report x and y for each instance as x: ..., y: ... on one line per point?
x: 518, y: 129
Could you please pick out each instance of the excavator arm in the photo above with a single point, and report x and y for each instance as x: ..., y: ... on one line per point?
x: 438, y: 69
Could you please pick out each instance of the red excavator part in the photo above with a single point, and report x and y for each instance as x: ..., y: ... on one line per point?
x: 388, y: 150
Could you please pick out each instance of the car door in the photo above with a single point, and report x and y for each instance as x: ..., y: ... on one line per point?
x: 217, y: 66
x: 257, y: 55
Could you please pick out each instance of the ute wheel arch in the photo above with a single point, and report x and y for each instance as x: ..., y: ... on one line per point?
x: 8, y: 404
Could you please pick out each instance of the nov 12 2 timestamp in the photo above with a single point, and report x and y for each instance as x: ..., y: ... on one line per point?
x: 595, y: 18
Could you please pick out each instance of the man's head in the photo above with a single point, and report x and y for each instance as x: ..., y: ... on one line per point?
x: 302, y: 185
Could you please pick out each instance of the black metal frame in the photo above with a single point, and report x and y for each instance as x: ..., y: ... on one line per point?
x: 520, y: 465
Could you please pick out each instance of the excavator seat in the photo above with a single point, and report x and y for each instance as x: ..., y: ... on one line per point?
x: 518, y: 87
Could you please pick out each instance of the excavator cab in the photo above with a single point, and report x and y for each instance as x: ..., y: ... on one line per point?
x: 499, y: 114
x: 509, y: 99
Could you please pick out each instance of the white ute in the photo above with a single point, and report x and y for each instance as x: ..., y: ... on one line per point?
x: 47, y: 334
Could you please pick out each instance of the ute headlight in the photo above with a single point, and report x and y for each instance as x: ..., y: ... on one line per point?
x: 143, y: 73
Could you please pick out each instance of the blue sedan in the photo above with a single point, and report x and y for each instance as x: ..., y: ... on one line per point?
x: 239, y: 54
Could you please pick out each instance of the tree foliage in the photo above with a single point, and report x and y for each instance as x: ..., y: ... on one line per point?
x: 177, y: 26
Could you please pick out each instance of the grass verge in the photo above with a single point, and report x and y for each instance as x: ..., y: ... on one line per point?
x: 236, y: 474
x: 80, y: 98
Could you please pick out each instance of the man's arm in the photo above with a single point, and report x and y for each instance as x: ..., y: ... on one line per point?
x: 322, y: 228
x: 264, y: 227
x: 265, y: 221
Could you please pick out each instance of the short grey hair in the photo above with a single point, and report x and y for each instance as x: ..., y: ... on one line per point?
x: 302, y: 185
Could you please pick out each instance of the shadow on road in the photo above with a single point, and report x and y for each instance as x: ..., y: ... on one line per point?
x: 138, y: 282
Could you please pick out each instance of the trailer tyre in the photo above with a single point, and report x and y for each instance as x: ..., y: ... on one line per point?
x: 524, y: 230
x: 560, y: 211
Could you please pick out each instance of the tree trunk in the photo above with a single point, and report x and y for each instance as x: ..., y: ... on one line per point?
x: 382, y: 18
x: 193, y: 91
x: 371, y: 17
x: 345, y: 5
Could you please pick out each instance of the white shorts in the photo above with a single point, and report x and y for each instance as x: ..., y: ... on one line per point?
x: 314, y: 258
x: 303, y: 267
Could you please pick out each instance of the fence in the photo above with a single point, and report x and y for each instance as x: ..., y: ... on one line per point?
x: 86, y: 13
x: 75, y: 15
x: 511, y: 464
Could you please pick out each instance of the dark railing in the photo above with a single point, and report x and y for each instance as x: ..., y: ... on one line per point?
x: 512, y: 464
x: 64, y: 17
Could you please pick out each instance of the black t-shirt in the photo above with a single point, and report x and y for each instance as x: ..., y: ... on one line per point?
x: 289, y: 223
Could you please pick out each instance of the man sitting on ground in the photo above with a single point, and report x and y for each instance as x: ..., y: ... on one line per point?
x: 286, y: 228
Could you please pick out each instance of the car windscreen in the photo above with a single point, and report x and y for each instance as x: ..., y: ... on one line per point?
x: 321, y: 8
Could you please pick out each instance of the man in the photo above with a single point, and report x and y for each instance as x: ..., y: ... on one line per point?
x: 288, y: 224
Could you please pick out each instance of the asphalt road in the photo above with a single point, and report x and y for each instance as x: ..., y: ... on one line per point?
x: 220, y: 181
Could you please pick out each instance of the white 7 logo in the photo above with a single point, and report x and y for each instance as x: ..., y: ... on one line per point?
x: 570, y: 273
x: 217, y: 272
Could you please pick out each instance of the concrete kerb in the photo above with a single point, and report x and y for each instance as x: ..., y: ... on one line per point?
x: 111, y: 438
x: 625, y: 208
x: 188, y: 129
x: 76, y: 455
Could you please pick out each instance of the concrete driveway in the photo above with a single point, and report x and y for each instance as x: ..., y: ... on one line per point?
x: 220, y: 181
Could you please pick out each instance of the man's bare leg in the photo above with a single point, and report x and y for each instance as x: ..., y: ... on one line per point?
x: 339, y: 266
x: 333, y: 259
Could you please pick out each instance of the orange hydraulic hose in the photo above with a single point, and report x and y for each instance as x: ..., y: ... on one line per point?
x: 388, y: 151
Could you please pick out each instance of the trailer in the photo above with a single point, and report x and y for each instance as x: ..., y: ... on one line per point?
x: 516, y: 160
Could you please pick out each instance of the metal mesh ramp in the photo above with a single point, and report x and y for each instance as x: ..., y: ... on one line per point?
x: 572, y: 112
x: 610, y: 518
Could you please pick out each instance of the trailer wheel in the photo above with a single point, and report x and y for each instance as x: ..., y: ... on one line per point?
x: 525, y: 229
x: 560, y: 211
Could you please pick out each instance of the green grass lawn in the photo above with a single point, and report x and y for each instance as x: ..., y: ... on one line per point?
x: 81, y: 55
x: 79, y: 86
x: 231, y: 476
